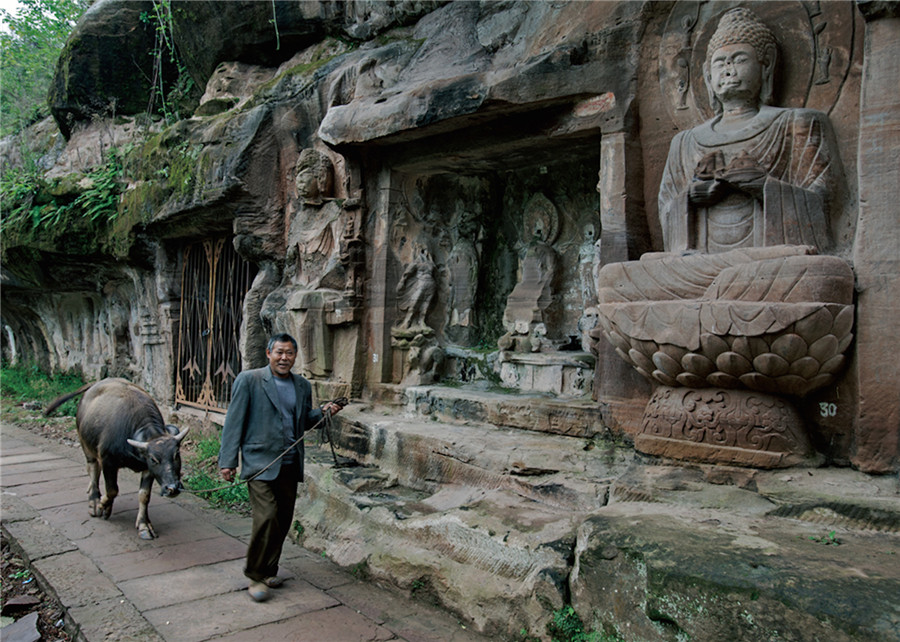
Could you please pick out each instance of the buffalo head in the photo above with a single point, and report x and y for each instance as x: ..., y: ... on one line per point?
x: 163, y: 458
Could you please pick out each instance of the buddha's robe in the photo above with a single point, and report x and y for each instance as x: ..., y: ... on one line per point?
x: 740, y: 267
x: 794, y: 146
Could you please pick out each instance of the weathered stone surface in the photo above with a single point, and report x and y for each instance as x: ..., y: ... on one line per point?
x: 180, y: 621
x: 878, y: 425
x: 114, y: 619
x: 43, y: 540
x: 659, y: 582
x: 76, y: 580
x: 93, y: 77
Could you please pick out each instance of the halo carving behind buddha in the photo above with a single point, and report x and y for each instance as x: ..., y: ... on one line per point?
x: 813, y: 54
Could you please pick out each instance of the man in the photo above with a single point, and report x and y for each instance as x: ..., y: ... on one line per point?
x: 270, y: 409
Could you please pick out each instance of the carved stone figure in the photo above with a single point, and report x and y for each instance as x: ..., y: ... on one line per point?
x: 315, y: 177
x: 529, y: 303
x: 740, y: 299
x: 463, y: 269
x: 416, y: 289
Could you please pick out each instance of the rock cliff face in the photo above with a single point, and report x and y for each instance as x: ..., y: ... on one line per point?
x: 421, y: 192
x: 434, y: 125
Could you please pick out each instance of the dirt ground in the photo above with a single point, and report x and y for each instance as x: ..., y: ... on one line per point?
x: 21, y: 587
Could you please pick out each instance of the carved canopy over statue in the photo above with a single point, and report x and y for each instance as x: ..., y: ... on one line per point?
x: 740, y: 300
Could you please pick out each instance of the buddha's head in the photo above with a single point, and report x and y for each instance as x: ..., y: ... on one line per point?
x: 740, y: 60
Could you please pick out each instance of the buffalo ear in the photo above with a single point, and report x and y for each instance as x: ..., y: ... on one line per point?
x: 140, y: 445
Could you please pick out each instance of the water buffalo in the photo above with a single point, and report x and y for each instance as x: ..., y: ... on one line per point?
x: 120, y: 426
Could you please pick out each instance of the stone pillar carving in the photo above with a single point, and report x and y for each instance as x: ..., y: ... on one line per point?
x: 621, y: 391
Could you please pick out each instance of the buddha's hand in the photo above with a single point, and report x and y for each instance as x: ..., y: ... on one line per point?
x: 746, y: 175
x: 704, y: 193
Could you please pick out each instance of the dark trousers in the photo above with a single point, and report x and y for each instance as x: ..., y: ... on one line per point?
x: 272, y: 505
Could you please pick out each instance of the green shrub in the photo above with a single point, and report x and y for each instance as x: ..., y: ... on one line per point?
x: 201, y: 463
x: 27, y: 382
x: 566, y: 626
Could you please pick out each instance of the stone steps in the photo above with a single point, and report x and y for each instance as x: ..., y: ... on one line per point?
x: 499, y: 524
x: 482, y: 517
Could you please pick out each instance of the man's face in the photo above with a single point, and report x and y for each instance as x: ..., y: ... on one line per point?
x: 735, y: 72
x: 281, y: 358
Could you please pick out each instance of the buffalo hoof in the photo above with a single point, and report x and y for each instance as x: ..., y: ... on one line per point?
x: 99, y: 510
x: 146, y: 533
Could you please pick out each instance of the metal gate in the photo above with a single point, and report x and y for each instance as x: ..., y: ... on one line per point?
x: 214, y: 281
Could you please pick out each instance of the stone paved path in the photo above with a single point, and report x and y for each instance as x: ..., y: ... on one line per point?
x: 186, y: 585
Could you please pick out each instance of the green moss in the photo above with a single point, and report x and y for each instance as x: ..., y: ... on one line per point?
x: 325, y: 52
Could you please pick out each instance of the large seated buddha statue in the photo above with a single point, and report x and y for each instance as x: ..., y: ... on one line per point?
x: 740, y: 312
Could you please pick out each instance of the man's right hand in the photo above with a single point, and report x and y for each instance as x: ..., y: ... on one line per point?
x: 227, y: 474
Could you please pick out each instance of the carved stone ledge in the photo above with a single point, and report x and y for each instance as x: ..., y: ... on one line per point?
x: 719, y: 426
x: 567, y: 374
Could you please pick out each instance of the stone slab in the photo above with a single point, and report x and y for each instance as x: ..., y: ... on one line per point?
x: 76, y: 580
x: 14, y: 509
x: 16, y: 447
x: 75, y: 516
x: 338, y: 623
x: 10, y: 473
x: 318, y: 571
x: 22, y: 630
x: 38, y: 539
x: 101, y: 538
x: 186, y: 585
x: 60, y: 498
x: 45, y: 487
x: 26, y: 458
x: 61, y: 471
x: 235, y: 611
x: 113, y: 620
x: 165, y: 559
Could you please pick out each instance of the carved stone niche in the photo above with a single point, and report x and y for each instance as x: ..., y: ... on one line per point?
x: 741, y: 313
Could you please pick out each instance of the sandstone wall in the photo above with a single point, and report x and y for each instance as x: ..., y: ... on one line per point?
x: 340, y: 143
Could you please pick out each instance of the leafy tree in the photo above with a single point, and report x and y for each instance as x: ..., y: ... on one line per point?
x: 30, y: 45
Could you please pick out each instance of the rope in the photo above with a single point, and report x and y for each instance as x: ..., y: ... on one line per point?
x: 325, y: 422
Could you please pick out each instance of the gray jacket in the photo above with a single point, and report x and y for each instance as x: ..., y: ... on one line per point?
x: 253, y: 423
